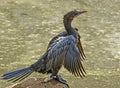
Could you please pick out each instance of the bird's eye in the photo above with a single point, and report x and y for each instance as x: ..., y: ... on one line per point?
x: 76, y: 29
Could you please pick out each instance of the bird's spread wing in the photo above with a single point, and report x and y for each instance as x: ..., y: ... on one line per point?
x: 57, y: 51
x: 79, y: 45
x: 73, y: 60
x: 67, y: 47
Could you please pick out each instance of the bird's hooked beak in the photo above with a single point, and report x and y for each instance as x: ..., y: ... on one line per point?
x: 80, y: 12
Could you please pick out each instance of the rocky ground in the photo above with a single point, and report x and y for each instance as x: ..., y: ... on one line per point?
x: 38, y: 83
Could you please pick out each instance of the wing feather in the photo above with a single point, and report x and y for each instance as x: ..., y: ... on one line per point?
x: 79, y: 45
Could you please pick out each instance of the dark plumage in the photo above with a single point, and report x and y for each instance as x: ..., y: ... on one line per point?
x: 64, y: 49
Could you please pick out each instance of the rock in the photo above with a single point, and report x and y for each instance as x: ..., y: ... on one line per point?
x: 39, y: 83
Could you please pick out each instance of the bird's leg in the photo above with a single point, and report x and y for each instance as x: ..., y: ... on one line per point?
x: 60, y: 79
x: 57, y: 77
x: 52, y: 76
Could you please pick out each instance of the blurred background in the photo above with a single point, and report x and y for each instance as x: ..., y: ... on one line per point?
x: 26, y: 27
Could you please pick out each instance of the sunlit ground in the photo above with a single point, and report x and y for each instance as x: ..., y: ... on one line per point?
x: 26, y: 27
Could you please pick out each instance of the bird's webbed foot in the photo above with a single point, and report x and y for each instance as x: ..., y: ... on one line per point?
x: 58, y: 77
x: 49, y: 78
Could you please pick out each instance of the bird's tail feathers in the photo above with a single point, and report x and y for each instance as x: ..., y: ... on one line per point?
x: 18, y: 75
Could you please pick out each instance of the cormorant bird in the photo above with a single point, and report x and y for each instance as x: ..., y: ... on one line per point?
x: 64, y: 49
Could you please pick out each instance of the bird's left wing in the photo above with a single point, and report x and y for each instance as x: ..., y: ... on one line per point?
x: 73, y: 60
x: 67, y: 48
x: 79, y: 45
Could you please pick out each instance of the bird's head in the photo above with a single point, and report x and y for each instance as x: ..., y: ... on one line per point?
x: 72, y: 14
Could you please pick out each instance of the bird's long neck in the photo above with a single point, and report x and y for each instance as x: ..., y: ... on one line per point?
x: 68, y: 27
